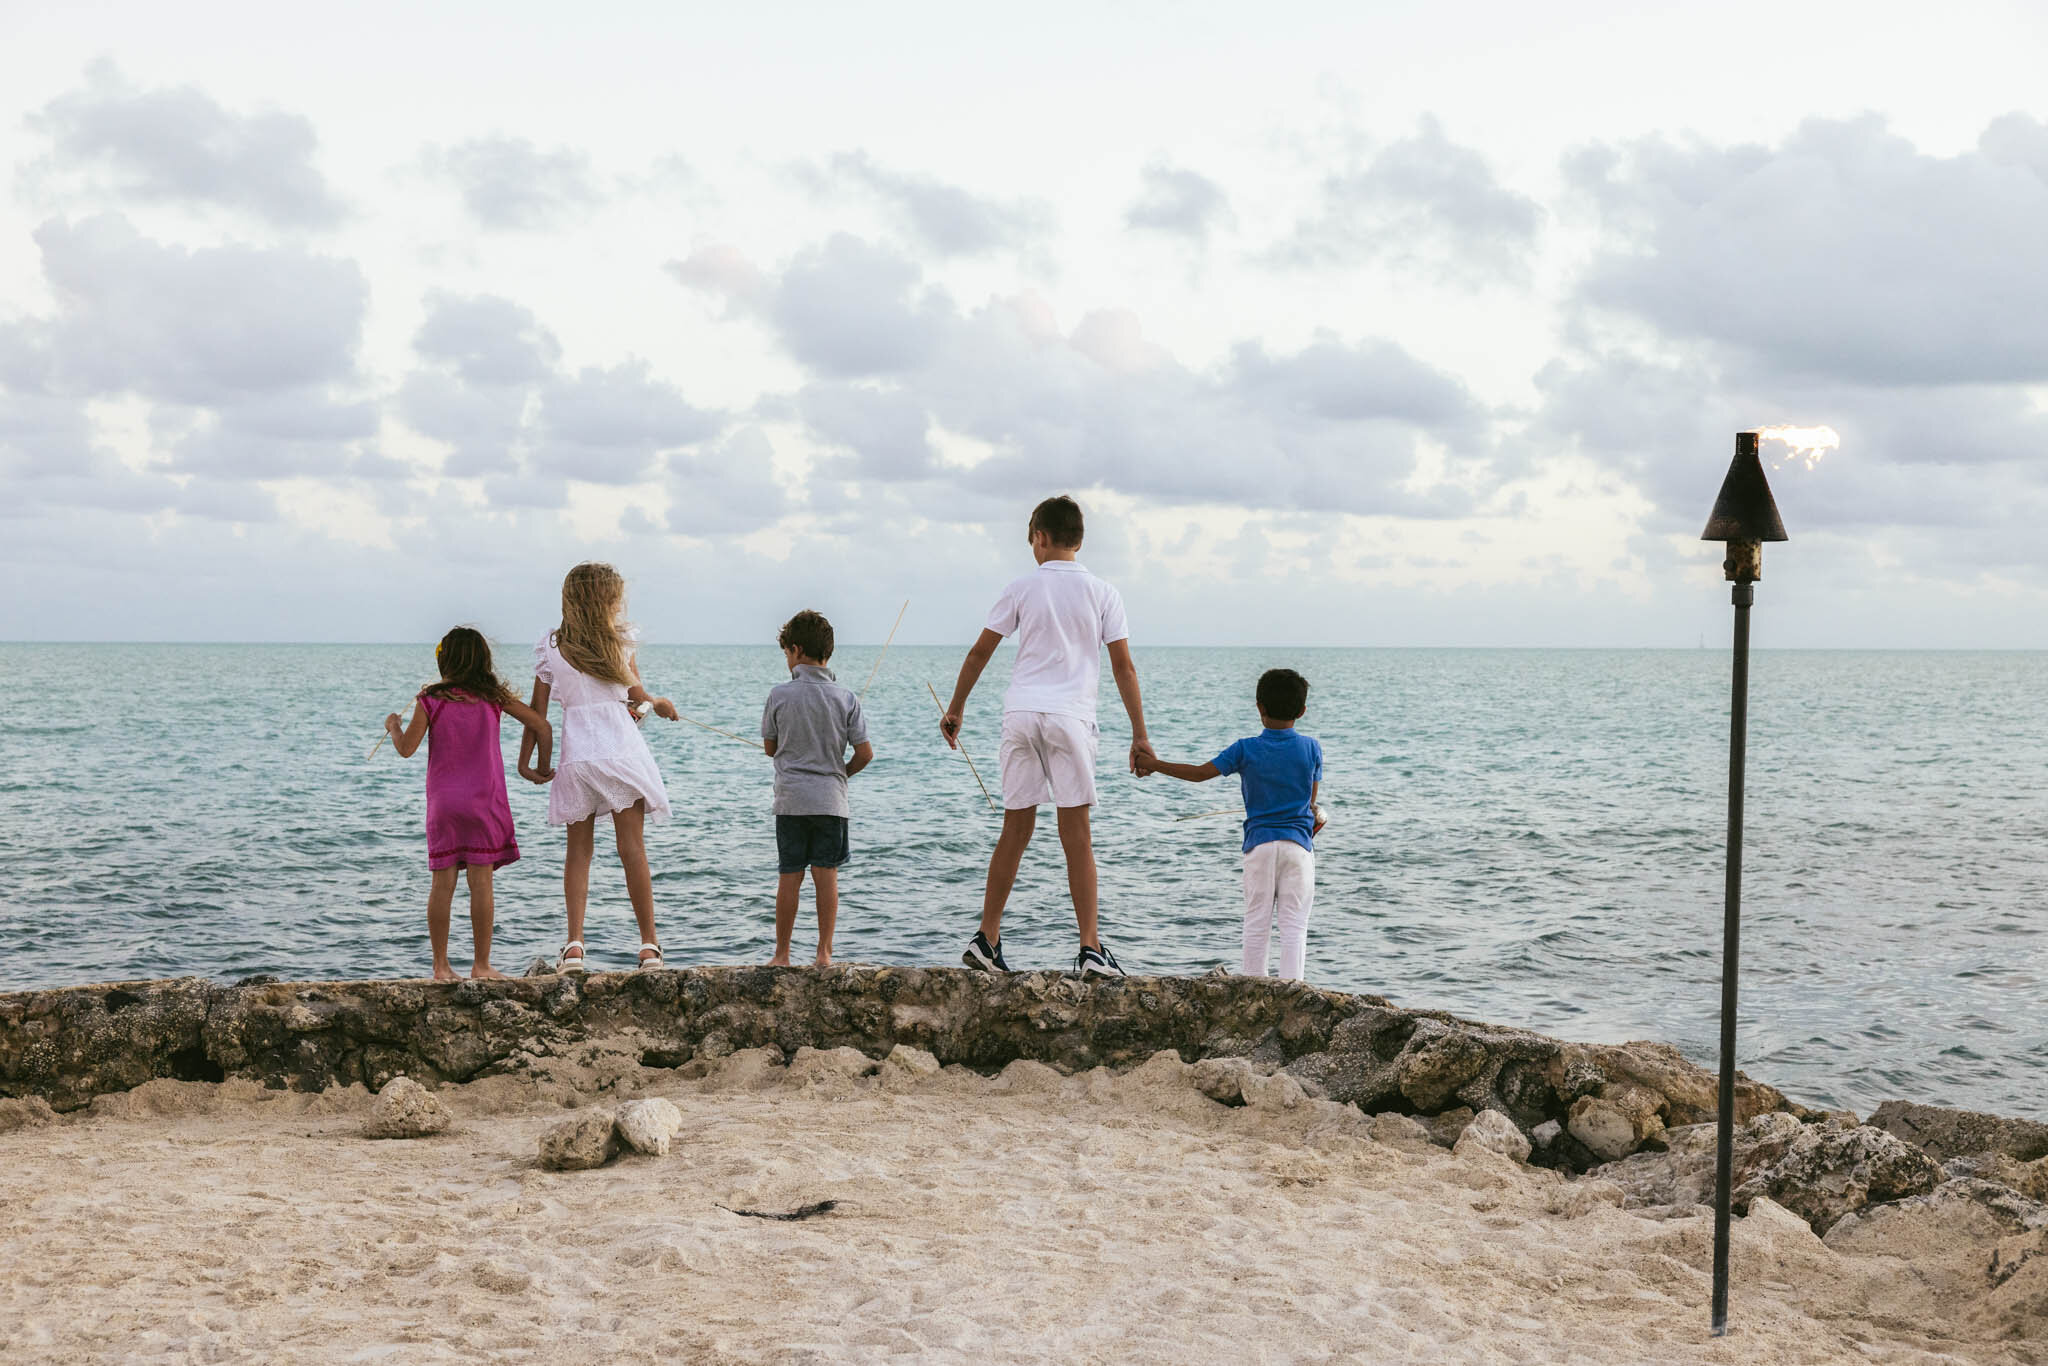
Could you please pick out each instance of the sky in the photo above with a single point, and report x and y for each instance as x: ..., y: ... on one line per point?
x: 1348, y: 324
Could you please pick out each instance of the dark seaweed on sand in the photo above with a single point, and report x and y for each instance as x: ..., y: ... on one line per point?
x: 800, y: 1212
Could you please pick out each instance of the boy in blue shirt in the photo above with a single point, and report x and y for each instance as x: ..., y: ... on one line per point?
x: 1280, y: 770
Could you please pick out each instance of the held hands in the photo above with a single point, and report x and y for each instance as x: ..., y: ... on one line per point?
x: 1144, y: 761
x: 538, y: 773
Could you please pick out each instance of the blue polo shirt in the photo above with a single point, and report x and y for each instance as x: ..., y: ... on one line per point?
x: 1278, y: 769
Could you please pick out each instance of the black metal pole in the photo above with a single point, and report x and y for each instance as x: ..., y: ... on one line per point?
x: 1731, y: 951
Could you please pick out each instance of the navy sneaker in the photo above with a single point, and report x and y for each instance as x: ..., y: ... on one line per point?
x: 1096, y: 962
x: 983, y: 956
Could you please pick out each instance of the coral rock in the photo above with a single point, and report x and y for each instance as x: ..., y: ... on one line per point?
x: 1829, y: 1171
x: 1943, y: 1133
x: 1445, y: 1128
x: 648, y: 1125
x: 405, y: 1109
x: 1401, y: 1131
x: 590, y: 1139
x: 1222, y: 1079
x: 906, y: 1063
x: 1494, y: 1132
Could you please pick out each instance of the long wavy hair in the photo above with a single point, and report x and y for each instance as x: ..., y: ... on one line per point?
x: 465, y: 659
x: 591, y: 638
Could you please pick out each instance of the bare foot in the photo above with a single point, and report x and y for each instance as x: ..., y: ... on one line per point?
x: 780, y: 960
x: 445, y: 973
x: 486, y: 973
x: 823, y: 960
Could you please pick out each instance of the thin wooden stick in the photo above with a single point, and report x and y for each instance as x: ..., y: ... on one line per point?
x: 885, y: 652
x: 1219, y: 811
x: 374, y: 748
x: 963, y: 749
x: 726, y: 733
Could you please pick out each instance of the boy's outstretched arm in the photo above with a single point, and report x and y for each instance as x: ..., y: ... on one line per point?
x: 1187, y: 773
x: 978, y: 656
x: 1126, y: 674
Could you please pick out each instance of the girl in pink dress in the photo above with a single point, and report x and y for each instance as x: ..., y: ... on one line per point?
x: 586, y: 664
x: 469, y: 819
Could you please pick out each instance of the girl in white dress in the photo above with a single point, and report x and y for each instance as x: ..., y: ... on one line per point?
x: 587, y: 664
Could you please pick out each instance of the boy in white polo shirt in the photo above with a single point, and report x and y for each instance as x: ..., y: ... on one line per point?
x: 1062, y: 617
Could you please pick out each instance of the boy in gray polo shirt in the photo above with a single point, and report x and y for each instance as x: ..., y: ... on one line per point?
x: 807, y: 727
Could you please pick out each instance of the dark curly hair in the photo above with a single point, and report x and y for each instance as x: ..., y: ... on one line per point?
x: 809, y: 632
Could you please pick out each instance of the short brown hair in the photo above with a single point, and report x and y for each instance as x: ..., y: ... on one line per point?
x: 1060, y: 519
x: 808, y: 633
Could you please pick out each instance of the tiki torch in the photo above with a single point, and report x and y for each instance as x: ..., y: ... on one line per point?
x: 1745, y: 516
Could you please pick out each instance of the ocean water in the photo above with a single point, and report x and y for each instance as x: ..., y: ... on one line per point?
x: 1526, y: 837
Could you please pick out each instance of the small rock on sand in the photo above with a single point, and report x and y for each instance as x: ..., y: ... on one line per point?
x: 591, y: 1139
x: 405, y: 1109
x: 1401, y: 1131
x: 1445, y: 1128
x: 907, y: 1062
x: 1494, y: 1132
x: 1221, y: 1079
x: 648, y: 1125
x: 1274, y: 1093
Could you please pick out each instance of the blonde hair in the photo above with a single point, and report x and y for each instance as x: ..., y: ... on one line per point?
x: 591, y: 638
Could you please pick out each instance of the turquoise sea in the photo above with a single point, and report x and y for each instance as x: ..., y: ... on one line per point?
x: 1526, y: 837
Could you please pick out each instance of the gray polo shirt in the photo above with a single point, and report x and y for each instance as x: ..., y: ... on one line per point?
x: 814, y: 721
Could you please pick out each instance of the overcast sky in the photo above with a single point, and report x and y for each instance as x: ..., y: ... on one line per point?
x: 1349, y: 324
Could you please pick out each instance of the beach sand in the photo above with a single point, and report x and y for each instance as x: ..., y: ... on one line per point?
x: 1026, y: 1217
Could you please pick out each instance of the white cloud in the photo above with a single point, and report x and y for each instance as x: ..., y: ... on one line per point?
x: 1421, y: 201
x: 512, y: 185
x: 1173, y: 199
x: 178, y: 145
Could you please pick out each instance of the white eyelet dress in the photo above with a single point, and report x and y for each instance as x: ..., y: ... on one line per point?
x: 602, y: 763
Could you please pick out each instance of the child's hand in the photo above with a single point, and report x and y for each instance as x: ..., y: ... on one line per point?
x: 1144, y: 762
x: 665, y: 709
x: 536, y: 774
x: 392, y: 725
x: 949, y: 726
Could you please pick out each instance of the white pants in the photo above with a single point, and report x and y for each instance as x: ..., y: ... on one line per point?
x: 1279, y: 881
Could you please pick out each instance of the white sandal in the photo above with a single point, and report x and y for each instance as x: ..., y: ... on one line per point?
x: 564, y: 963
x: 649, y: 964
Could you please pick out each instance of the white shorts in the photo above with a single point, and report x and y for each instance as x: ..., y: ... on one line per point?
x: 1047, y: 757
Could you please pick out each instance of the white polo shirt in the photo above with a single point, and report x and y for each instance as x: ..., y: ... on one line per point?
x: 1062, y: 616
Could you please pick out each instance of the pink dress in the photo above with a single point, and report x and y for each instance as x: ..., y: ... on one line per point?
x: 469, y: 818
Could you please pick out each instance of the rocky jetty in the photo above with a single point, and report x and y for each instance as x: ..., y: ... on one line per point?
x: 1635, y: 1114
x: 68, y: 1045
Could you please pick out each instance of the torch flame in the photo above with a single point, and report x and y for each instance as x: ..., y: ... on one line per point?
x: 1801, y: 443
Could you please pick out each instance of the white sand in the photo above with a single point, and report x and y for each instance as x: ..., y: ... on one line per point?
x: 1025, y: 1218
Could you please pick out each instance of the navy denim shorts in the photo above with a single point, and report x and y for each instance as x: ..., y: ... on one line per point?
x: 809, y: 842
